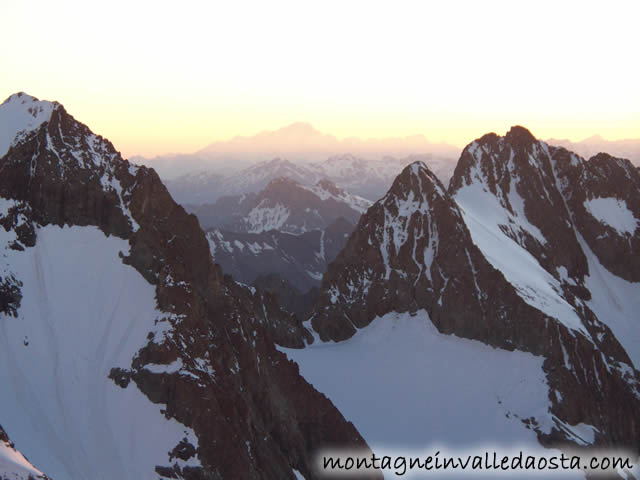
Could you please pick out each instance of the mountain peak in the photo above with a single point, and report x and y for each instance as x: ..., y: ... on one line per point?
x: 21, y: 97
x: 417, y: 178
x: 329, y: 186
x: 594, y: 138
x: 519, y: 135
x: 275, y: 164
x: 277, y: 161
x: 416, y: 167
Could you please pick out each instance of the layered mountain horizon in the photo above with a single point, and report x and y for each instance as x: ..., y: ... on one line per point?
x: 500, y: 309
x: 299, y: 142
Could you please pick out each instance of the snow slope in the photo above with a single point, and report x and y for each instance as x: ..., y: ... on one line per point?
x: 415, y: 375
x: 487, y: 221
x: 616, y: 302
x: 407, y: 387
x: 83, y: 312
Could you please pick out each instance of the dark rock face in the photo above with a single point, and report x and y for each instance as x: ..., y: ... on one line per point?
x: 253, y: 414
x: 387, y: 253
x: 335, y: 238
x: 3, y: 435
x: 299, y: 259
x: 10, y: 295
x: 227, y: 210
x: 289, y: 297
x: 413, y: 250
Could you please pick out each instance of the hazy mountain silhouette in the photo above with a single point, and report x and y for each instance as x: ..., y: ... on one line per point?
x: 299, y: 142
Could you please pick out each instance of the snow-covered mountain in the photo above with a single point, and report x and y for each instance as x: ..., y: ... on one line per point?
x: 125, y: 352
x: 372, y: 178
x: 207, y: 186
x: 284, y: 205
x: 368, y: 178
x: 532, y: 250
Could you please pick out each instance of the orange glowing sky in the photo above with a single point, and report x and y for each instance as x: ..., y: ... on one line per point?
x: 159, y: 77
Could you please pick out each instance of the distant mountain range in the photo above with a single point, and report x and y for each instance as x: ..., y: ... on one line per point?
x: 587, y: 148
x: 369, y: 179
x: 298, y: 142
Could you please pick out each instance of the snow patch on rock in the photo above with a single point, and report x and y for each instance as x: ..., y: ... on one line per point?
x: 262, y: 219
x: 613, y: 212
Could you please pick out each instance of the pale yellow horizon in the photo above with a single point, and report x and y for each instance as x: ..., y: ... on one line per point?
x: 157, y: 79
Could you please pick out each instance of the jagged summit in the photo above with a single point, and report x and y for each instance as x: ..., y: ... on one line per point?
x: 499, y: 162
x: 541, y: 191
x: 418, y: 178
x: 518, y: 135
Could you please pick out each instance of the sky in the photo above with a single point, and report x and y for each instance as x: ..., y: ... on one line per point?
x: 161, y: 77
